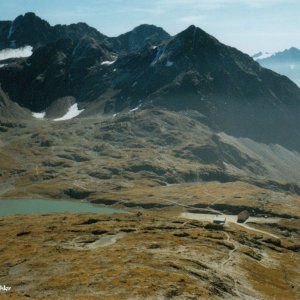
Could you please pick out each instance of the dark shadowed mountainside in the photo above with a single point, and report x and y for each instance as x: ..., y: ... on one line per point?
x: 29, y: 29
x: 11, y: 110
x: 138, y: 38
x: 191, y: 70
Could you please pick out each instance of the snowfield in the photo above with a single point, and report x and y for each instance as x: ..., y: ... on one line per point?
x: 107, y: 62
x: 15, y: 53
x: 72, y: 113
x: 136, y: 108
x: 39, y: 115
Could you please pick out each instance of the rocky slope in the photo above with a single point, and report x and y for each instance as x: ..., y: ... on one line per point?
x: 149, y: 148
x: 11, y: 110
x: 160, y: 164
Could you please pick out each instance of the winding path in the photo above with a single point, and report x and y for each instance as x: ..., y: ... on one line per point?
x: 258, y: 230
x: 230, y: 252
x: 235, y: 244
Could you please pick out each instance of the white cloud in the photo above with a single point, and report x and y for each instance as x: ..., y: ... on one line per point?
x: 188, y: 20
x: 215, y: 4
x: 153, y: 11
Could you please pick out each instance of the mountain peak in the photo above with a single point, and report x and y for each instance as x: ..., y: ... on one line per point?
x: 139, y: 37
x: 191, y: 28
x: 191, y: 70
x: 196, y: 34
x: 194, y: 30
x: 28, y: 29
x: 194, y: 39
x: 30, y: 15
x: 147, y: 27
x: 294, y: 50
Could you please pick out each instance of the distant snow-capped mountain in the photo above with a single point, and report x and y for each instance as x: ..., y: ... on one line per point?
x: 286, y: 62
x: 262, y: 55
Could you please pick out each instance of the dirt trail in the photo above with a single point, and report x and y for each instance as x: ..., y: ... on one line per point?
x: 231, y: 251
x: 193, y: 207
x: 230, y: 254
x: 258, y: 230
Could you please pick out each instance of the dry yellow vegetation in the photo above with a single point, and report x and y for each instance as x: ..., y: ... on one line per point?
x: 155, y: 255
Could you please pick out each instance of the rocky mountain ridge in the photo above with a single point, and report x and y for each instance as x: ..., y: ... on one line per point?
x: 138, y: 38
x: 226, y: 93
x: 29, y: 29
x: 191, y: 70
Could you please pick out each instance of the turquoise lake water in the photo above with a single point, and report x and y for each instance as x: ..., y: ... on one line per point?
x: 9, y: 207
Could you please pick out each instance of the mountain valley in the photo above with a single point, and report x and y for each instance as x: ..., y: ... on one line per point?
x: 165, y: 127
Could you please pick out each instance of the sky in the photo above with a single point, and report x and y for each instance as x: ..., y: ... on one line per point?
x: 249, y: 25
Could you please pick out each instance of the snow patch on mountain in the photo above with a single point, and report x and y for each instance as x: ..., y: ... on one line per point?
x: 107, y: 62
x: 15, y: 53
x: 160, y: 55
x: 40, y: 115
x: 136, y: 108
x: 169, y: 63
x: 72, y: 113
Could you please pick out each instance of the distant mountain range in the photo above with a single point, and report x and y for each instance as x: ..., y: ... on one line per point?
x: 82, y: 114
x: 29, y: 29
x: 286, y: 62
x: 146, y: 68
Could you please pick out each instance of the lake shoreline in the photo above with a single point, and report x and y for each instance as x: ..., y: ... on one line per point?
x: 17, y: 206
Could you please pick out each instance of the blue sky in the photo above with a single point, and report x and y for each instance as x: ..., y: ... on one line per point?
x: 249, y: 25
